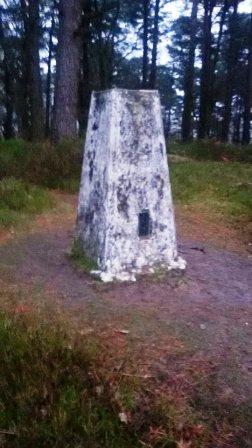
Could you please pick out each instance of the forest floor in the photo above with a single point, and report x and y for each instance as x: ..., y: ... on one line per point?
x: 190, y: 331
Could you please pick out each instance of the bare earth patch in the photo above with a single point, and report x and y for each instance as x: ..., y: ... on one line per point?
x: 188, y: 329
x: 196, y: 222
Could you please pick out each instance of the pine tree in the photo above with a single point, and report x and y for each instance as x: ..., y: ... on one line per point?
x: 189, y: 77
x: 67, y: 70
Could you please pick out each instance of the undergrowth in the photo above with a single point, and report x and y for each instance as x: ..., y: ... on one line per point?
x: 215, y: 179
x: 211, y: 150
x: 221, y: 185
x: 52, y: 166
x: 225, y: 188
x: 19, y: 199
x: 61, y: 386
x: 49, y: 395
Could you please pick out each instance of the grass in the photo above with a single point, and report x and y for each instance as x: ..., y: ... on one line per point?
x: 60, y: 386
x: 211, y: 150
x: 225, y: 188
x: 19, y: 200
x: 204, y: 178
x: 57, y: 166
x: 213, y: 174
x: 63, y: 386
x: 48, y: 389
x: 25, y: 170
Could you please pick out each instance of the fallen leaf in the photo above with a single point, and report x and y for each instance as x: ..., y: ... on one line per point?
x: 122, y: 331
x: 183, y: 444
x: 86, y: 331
x: 99, y: 390
x: 125, y: 417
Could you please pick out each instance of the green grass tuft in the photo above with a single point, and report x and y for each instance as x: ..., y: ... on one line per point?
x: 47, y: 390
x: 226, y: 188
x: 211, y: 150
x: 80, y: 260
x: 19, y: 199
x: 62, y: 386
x: 52, y: 166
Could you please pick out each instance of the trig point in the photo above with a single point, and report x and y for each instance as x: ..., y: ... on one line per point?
x: 125, y: 214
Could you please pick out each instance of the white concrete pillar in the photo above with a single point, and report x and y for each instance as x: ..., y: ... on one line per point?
x: 125, y: 214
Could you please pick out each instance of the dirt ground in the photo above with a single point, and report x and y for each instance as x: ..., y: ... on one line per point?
x: 209, y: 307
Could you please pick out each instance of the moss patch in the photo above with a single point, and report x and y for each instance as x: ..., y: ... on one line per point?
x: 80, y: 260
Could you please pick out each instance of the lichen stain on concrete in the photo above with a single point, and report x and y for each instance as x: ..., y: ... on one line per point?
x: 125, y: 172
x: 123, y: 193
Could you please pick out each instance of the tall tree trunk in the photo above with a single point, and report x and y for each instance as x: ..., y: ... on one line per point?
x: 153, y: 71
x: 37, y: 112
x: 206, y: 71
x: 84, y: 88
x: 168, y: 124
x: 32, y: 75
x: 49, y: 75
x: 85, y: 75
x: 248, y: 94
x: 8, y: 128
x: 189, y: 77
x: 25, y: 113
x: 67, y: 70
x: 224, y: 11
x: 237, y: 121
x: 101, y: 53
x: 146, y: 11
x: 112, y: 36
x: 217, y: 50
x: 231, y: 68
x: 106, y: 45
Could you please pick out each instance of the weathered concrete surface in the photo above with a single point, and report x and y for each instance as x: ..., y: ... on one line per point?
x: 125, y: 173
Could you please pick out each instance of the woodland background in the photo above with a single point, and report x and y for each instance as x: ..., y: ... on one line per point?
x: 165, y: 362
x: 53, y: 53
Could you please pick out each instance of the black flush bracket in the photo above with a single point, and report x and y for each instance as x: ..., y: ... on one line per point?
x: 144, y: 224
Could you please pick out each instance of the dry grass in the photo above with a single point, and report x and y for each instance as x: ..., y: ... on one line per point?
x: 107, y: 376
x: 77, y: 379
